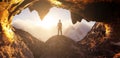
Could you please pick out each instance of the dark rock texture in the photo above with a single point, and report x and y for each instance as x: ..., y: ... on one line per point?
x: 36, y: 46
x: 17, y: 49
x: 96, y: 43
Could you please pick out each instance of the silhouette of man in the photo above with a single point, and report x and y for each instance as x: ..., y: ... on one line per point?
x: 59, y: 27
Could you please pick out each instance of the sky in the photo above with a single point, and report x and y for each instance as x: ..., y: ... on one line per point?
x: 46, y: 28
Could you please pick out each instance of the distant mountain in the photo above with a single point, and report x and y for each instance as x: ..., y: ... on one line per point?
x: 79, y: 30
x: 33, y: 16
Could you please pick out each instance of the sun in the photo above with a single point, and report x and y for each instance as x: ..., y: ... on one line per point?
x: 48, y: 22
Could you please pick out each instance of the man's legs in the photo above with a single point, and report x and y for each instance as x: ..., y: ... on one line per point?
x: 61, y: 31
x: 58, y: 31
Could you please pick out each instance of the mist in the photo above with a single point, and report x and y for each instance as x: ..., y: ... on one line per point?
x: 31, y: 23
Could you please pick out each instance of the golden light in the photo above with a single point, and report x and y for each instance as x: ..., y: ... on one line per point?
x: 117, y: 55
x: 108, y: 30
x: 49, y: 22
x: 56, y: 2
x: 13, y: 1
x: 6, y: 29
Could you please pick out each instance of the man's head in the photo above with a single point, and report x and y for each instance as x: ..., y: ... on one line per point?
x: 59, y: 20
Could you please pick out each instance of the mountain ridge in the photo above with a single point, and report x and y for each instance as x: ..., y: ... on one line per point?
x: 35, y: 45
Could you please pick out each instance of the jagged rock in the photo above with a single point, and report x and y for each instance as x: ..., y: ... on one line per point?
x: 35, y: 45
x: 17, y: 49
x: 97, y: 44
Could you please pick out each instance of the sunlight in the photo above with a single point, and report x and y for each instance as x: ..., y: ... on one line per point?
x: 56, y: 2
x: 44, y: 29
x: 48, y: 22
x: 51, y: 19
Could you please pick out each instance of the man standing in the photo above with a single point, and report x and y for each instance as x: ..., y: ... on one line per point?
x: 59, y: 27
